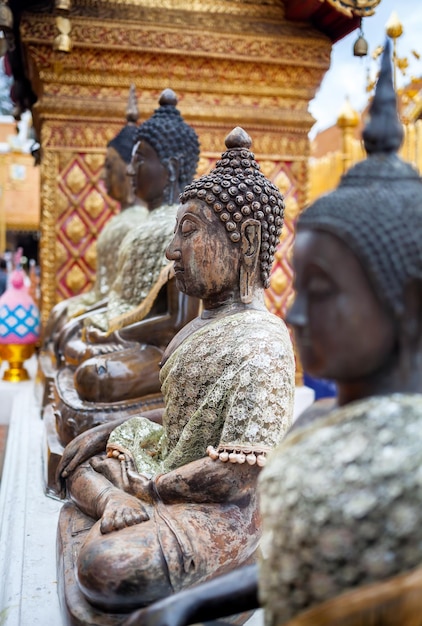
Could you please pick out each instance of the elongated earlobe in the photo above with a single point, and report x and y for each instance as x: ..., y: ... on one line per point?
x: 411, y: 336
x: 250, y: 232
x: 173, y: 184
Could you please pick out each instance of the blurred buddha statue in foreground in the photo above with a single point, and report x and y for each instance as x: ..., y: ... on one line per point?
x: 341, y: 496
x: 175, y: 504
x: 110, y: 359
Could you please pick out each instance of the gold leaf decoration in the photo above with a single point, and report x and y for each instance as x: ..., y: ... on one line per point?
x: 278, y: 281
x: 267, y: 167
x: 61, y: 253
x: 292, y: 208
x: 94, y: 161
x: 62, y: 203
x: 75, y: 279
x: 94, y: 204
x: 282, y: 181
x: 91, y: 255
x: 75, y: 229
x: 76, y: 179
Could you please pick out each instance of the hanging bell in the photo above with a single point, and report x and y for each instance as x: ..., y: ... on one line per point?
x: 360, y: 49
x: 63, y: 6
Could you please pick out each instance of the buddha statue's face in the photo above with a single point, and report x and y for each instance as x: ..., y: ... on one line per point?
x: 150, y: 175
x: 342, y: 331
x: 115, y: 176
x: 206, y: 262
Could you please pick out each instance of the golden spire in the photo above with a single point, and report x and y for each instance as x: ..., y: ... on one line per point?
x: 347, y: 117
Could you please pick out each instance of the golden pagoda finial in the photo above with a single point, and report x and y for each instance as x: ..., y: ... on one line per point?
x: 347, y: 121
x: 347, y: 117
x: 393, y: 27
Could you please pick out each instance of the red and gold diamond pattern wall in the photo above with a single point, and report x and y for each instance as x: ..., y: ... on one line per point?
x: 83, y: 211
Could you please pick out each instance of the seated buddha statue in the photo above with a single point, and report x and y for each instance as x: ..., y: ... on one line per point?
x: 119, y: 187
x: 167, y: 499
x: 110, y: 359
x: 341, y: 495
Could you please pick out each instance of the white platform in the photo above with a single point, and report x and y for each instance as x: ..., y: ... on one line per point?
x: 28, y: 519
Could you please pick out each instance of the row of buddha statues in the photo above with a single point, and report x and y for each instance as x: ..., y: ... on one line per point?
x: 191, y: 495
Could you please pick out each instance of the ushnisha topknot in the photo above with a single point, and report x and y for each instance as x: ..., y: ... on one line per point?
x: 167, y: 132
x: 237, y: 190
x: 378, y: 204
x: 124, y: 140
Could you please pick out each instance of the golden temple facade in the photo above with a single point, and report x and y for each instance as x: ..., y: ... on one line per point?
x: 232, y: 62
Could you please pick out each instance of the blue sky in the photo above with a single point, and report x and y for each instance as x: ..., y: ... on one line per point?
x: 347, y: 74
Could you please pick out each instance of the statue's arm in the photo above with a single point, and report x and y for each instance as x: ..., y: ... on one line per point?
x: 158, y: 329
x: 226, y: 595
x: 206, y: 480
x: 92, y: 442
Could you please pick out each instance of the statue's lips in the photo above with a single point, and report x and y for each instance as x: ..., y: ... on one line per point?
x: 178, y: 270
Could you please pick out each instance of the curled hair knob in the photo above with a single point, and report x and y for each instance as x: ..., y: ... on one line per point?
x: 238, y: 138
x: 168, y: 97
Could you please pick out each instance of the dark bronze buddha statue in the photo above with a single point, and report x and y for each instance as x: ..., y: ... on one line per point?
x: 109, y: 361
x: 341, y: 496
x: 174, y: 503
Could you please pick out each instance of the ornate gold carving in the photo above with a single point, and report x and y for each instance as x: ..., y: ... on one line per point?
x: 292, y: 210
x: 75, y: 279
x: 62, y: 204
x: 282, y: 181
x: 267, y: 167
x: 75, y: 229
x: 235, y: 7
x: 363, y: 8
x: 94, y: 204
x: 91, y: 256
x: 76, y: 179
x: 49, y: 172
x: 61, y: 253
x: 278, y: 281
x: 94, y: 161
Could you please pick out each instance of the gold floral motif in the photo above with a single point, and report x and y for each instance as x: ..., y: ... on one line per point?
x: 91, y: 255
x: 61, y: 253
x: 292, y: 209
x: 75, y: 279
x: 75, y: 229
x: 94, y: 161
x: 94, y: 204
x: 76, y: 179
x: 62, y: 204
x: 49, y: 192
x: 282, y: 181
x: 267, y: 167
x: 65, y: 156
x: 278, y: 281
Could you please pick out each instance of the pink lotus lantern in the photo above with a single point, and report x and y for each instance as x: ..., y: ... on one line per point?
x: 19, y: 327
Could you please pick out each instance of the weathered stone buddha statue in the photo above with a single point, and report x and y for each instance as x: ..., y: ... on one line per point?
x: 120, y: 188
x: 110, y: 359
x: 341, y: 496
x: 163, y: 506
